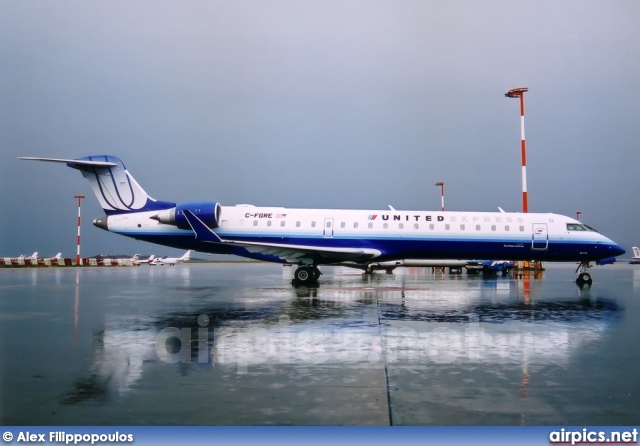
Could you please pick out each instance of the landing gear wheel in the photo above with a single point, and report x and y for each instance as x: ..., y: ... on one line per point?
x: 305, y: 275
x: 584, y: 279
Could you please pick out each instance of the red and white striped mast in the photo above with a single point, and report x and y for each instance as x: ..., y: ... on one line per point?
x: 441, y: 184
x: 79, y: 197
x: 519, y: 93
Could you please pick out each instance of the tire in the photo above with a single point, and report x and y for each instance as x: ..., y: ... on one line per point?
x: 584, y: 279
x: 303, y: 274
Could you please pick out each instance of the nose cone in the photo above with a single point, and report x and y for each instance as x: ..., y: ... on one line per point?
x: 101, y: 223
x: 617, y: 250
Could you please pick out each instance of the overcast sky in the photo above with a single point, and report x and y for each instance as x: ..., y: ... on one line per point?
x: 320, y: 104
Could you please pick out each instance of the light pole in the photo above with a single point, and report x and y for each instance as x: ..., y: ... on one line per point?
x: 441, y: 184
x: 519, y: 93
x: 79, y: 197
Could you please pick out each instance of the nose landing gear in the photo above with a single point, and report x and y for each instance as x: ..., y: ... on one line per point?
x: 584, y: 278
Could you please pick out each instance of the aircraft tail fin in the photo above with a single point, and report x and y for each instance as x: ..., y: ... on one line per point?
x: 636, y: 252
x: 115, y: 188
x: 58, y: 256
x: 186, y: 257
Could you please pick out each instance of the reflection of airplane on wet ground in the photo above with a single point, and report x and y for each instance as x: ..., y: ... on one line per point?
x: 329, y: 331
x: 171, y: 260
x: 312, y: 237
x: 636, y: 256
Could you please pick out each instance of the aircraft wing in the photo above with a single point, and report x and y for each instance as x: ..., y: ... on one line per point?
x: 286, y: 252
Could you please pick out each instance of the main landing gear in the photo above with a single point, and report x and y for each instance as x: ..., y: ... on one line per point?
x: 584, y: 278
x: 306, y: 275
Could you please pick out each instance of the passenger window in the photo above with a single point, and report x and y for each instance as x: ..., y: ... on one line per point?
x: 297, y: 224
x: 447, y: 226
x: 255, y: 222
x: 370, y: 225
x: 342, y: 224
x: 431, y: 226
x: 401, y: 226
x: 416, y: 226
x: 462, y: 227
x: 493, y: 227
x: 506, y: 228
x: 355, y: 225
x: 521, y: 228
x: 282, y: 223
x: 385, y: 226
x: 313, y: 224
x: 328, y: 224
x: 477, y: 227
x: 268, y: 222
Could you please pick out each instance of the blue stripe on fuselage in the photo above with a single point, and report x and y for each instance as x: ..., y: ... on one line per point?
x: 405, y: 248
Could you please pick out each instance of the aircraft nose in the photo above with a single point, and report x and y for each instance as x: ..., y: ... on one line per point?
x: 618, y: 251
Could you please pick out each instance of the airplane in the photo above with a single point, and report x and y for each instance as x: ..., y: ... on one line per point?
x: 56, y: 257
x: 33, y: 257
x: 312, y: 237
x: 636, y: 256
x: 172, y: 260
x: 136, y: 259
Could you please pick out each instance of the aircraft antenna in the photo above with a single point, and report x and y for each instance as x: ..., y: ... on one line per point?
x: 519, y: 93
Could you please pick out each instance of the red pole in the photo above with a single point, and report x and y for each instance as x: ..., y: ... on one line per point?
x: 525, y: 199
x: 519, y: 93
x: 79, y: 197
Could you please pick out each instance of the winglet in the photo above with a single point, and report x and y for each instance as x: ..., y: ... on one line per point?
x: 203, y: 232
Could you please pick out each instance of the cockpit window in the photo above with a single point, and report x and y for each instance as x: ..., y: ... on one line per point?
x: 579, y: 227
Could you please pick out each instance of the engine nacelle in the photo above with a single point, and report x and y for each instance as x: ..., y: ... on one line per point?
x: 207, y: 211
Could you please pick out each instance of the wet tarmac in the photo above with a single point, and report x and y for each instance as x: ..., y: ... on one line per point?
x: 237, y: 344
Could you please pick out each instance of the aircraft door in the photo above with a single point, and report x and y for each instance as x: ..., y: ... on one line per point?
x: 328, y: 227
x: 540, y: 238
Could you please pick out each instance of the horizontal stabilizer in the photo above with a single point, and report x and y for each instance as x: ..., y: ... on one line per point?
x: 114, y: 187
x: 69, y: 161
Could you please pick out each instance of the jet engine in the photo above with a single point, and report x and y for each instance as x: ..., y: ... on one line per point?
x: 207, y: 211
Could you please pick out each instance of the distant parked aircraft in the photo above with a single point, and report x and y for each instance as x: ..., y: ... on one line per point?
x: 172, y: 260
x: 33, y: 258
x: 136, y: 259
x: 636, y: 256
